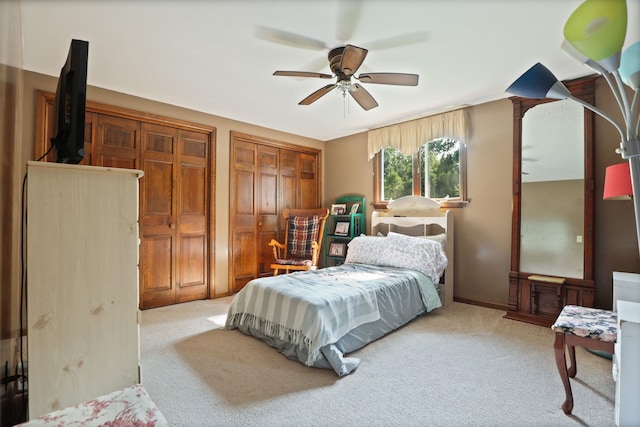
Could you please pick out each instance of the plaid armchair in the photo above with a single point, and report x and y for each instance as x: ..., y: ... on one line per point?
x: 303, y: 240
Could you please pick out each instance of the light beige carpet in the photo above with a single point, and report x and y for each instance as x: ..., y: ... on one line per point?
x: 460, y: 366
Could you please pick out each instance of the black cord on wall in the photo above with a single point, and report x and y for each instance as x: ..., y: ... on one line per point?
x: 23, y: 296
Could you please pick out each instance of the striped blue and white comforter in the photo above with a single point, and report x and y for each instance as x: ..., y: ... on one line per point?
x: 316, y: 308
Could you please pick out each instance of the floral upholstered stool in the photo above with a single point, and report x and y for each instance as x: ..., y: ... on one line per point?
x: 591, y: 328
x: 130, y: 407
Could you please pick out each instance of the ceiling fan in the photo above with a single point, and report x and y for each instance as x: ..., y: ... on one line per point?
x: 344, y: 61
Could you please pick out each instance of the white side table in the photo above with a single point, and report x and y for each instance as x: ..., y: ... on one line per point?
x: 627, y: 357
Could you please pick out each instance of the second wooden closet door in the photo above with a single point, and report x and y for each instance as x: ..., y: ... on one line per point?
x: 173, y: 216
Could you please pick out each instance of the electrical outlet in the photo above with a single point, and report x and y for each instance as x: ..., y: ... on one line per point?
x: 578, y: 239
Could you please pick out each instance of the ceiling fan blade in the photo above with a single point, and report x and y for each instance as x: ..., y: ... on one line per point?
x: 302, y: 74
x: 362, y: 97
x: 317, y: 64
x: 348, y: 16
x: 397, y: 41
x: 317, y: 94
x: 352, y: 57
x: 400, y: 79
x: 288, y: 38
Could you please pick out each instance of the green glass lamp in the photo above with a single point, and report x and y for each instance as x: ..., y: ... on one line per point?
x: 597, y: 29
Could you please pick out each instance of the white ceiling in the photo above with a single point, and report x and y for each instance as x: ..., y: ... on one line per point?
x: 208, y: 56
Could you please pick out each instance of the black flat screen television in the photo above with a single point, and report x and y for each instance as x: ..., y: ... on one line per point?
x: 69, y: 107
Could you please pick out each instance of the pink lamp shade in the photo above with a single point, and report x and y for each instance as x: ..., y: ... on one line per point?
x: 617, y: 182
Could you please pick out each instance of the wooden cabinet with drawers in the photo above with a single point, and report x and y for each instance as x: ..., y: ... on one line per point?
x: 539, y: 299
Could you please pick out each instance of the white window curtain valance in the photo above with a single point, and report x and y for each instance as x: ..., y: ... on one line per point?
x: 409, y: 136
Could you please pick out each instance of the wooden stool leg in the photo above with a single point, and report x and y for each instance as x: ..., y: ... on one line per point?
x: 573, y: 369
x: 561, y: 363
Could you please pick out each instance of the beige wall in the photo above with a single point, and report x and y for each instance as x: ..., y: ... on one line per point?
x: 10, y: 178
x: 347, y: 169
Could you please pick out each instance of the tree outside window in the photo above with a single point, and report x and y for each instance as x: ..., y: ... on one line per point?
x: 442, y: 172
x: 436, y: 171
x: 397, y: 174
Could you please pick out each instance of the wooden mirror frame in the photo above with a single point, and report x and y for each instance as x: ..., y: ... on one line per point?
x: 535, y: 298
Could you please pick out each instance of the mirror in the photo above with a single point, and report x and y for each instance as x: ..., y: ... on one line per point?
x: 553, y: 205
x: 552, y: 200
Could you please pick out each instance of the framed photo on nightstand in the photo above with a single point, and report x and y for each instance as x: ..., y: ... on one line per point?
x: 342, y: 229
x: 339, y: 209
x: 337, y: 249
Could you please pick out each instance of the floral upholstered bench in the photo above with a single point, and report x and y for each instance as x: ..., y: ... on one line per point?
x: 131, y: 406
x: 591, y: 328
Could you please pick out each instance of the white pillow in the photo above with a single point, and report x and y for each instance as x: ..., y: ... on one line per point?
x: 424, y: 255
x: 366, y: 250
x: 398, y: 250
x: 440, y: 238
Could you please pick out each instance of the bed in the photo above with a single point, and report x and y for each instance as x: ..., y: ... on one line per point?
x: 420, y: 216
x: 388, y: 279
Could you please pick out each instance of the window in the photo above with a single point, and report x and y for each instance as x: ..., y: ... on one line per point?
x: 436, y: 171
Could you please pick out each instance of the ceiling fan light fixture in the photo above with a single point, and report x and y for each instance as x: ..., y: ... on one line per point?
x: 344, y: 86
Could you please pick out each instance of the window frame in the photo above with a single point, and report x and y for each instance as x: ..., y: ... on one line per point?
x: 457, y: 202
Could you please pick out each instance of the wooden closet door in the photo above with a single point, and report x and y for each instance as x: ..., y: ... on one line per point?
x: 242, y: 230
x: 298, y: 183
x: 308, y: 181
x: 288, y: 188
x: 254, y: 204
x: 266, y: 196
x: 192, y: 215
x: 264, y: 179
x: 117, y: 142
x: 288, y: 179
x: 158, y: 219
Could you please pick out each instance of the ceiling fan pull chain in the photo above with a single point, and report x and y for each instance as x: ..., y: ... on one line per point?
x: 345, y: 105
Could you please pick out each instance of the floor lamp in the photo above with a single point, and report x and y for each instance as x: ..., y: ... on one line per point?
x: 617, y: 182
x: 594, y: 35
